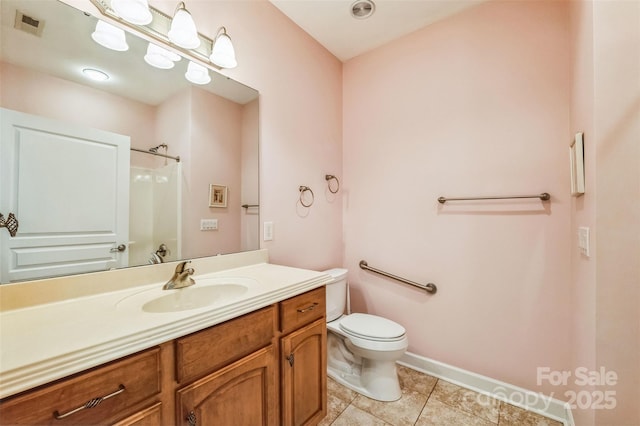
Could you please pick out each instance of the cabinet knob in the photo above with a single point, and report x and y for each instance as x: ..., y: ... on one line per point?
x: 191, y: 418
x: 290, y: 359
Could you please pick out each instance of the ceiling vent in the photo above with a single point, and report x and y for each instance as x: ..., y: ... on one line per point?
x: 363, y: 9
x: 28, y: 24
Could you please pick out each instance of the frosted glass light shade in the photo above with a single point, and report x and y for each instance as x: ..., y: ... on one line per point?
x: 134, y: 11
x: 197, y: 74
x: 183, y: 30
x: 158, y: 57
x: 110, y: 37
x: 223, y: 54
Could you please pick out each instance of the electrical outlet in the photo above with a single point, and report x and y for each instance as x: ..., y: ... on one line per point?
x: 208, y: 224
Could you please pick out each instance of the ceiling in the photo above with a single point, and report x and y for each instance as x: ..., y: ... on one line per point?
x: 331, y: 24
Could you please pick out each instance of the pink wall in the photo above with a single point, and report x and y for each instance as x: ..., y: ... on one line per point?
x: 474, y: 105
x: 216, y: 126
x: 606, y: 298
x: 616, y: 52
x: 583, y: 208
x: 203, y: 129
x: 40, y: 94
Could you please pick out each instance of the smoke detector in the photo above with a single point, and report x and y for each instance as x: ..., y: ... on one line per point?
x: 28, y: 24
x: 362, y: 9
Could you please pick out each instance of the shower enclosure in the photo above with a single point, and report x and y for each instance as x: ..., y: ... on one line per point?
x: 154, y: 216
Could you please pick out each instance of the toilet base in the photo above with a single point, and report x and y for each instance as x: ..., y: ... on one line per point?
x: 376, y: 379
x: 384, y: 390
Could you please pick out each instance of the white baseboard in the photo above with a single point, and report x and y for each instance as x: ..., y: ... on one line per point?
x: 520, y: 397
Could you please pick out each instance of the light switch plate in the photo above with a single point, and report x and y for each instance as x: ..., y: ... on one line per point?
x: 208, y: 224
x: 583, y: 240
x: 268, y: 231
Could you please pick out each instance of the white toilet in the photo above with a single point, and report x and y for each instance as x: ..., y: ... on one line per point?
x: 362, y: 349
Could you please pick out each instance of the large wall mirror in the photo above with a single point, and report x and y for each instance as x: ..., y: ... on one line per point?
x: 90, y: 168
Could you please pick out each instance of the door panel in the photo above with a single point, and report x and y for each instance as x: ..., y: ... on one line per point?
x: 68, y: 186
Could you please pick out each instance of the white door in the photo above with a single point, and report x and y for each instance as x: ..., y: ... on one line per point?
x: 68, y: 186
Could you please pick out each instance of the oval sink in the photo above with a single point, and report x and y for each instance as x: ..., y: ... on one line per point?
x: 194, y: 297
x: 206, y: 292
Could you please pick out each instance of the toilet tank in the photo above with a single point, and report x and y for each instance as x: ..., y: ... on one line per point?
x: 336, y: 293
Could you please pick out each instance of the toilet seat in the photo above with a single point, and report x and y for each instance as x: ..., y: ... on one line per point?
x: 372, y: 327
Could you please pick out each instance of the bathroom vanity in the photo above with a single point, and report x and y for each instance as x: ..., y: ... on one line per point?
x: 258, y: 358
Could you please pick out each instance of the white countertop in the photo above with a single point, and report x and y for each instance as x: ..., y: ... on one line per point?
x: 49, y: 341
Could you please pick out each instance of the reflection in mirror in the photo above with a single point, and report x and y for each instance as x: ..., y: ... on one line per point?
x: 116, y: 172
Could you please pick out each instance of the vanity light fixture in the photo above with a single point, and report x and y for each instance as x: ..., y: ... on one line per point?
x: 95, y: 75
x: 134, y: 11
x: 197, y: 74
x: 177, y: 32
x: 110, y: 37
x: 183, y: 29
x: 160, y: 57
x: 223, y: 54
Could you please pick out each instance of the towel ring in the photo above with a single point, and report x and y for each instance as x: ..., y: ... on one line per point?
x: 302, y: 190
x: 329, y: 178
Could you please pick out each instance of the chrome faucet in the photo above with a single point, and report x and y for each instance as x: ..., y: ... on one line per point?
x: 180, y: 278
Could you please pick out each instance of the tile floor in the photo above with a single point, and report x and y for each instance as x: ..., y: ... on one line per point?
x: 425, y: 401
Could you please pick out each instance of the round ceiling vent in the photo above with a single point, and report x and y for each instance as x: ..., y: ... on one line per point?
x: 362, y: 9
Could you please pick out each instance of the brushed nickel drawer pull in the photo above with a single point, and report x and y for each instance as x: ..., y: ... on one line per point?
x: 89, y: 404
x: 310, y: 308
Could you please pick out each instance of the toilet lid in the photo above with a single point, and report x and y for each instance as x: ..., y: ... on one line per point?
x: 371, y: 326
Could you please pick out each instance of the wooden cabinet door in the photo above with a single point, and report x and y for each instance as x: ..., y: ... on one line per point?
x: 304, y: 375
x: 243, y: 393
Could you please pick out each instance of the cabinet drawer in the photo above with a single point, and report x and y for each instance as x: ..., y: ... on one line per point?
x: 207, y: 350
x: 150, y: 416
x: 129, y: 381
x: 302, y: 309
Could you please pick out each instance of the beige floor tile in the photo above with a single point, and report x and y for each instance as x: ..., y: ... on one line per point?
x: 404, y: 411
x: 511, y: 415
x: 342, y: 392
x: 437, y: 413
x: 415, y: 380
x: 353, y: 416
x: 335, y: 407
x: 466, y: 400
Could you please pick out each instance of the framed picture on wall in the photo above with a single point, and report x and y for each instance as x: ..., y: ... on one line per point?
x: 217, y: 196
x: 576, y: 158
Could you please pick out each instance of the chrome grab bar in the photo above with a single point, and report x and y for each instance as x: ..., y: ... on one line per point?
x: 545, y: 196
x: 429, y: 288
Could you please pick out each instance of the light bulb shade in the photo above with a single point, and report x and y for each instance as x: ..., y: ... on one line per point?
x: 134, y: 11
x: 159, y: 57
x: 197, y: 74
x: 183, y: 30
x: 110, y: 37
x: 223, y: 54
